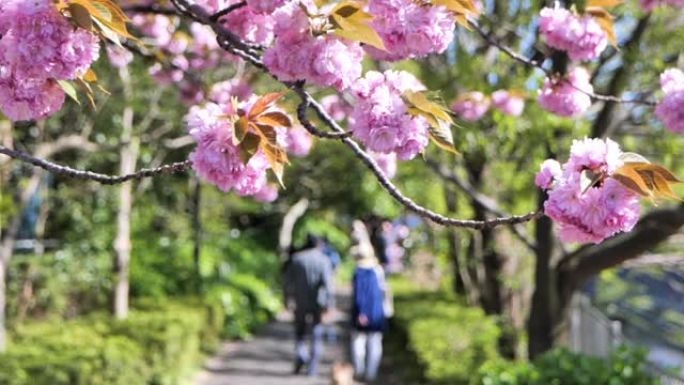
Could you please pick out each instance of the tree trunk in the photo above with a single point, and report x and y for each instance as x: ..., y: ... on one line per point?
x: 196, y: 214
x: 122, y: 243
x: 540, y: 324
x: 454, y: 241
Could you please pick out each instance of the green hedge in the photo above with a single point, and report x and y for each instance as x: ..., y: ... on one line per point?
x: 451, y: 341
x: 457, y: 345
x: 158, y: 344
x: 246, y: 302
x: 561, y: 367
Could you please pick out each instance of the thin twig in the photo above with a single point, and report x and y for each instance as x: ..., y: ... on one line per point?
x: 534, y: 63
x: 215, y: 17
x: 153, y: 9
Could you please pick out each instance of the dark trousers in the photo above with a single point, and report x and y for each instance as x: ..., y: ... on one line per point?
x: 303, y: 323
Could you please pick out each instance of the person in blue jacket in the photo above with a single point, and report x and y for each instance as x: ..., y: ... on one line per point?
x: 368, y: 313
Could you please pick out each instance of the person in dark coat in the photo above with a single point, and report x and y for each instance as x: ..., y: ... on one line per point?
x: 309, y: 282
x: 368, y: 313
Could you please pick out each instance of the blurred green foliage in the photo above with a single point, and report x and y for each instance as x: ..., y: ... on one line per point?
x: 626, y: 366
x: 159, y: 344
x: 450, y: 340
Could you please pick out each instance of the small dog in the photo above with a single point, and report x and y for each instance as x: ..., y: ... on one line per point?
x: 342, y: 374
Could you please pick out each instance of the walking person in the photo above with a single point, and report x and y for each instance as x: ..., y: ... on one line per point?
x: 309, y: 282
x: 368, y: 308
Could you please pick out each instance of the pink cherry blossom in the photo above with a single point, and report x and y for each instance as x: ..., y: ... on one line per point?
x: 583, y: 212
x: 650, y: 5
x: 265, y: 6
x: 216, y: 158
x: 222, y: 92
x: 672, y: 80
x: 380, y: 119
x: 49, y: 42
x: 323, y: 60
x: 336, y: 107
x: 410, y: 29
x: 119, y: 57
x: 250, y: 26
x: 386, y: 162
x: 509, y: 103
x: 567, y: 97
x: 28, y: 98
x: 670, y: 110
x: 550, y: 171
x: 298, y: 141
x: 267, y: 194
x: 580, y: 36
x: 471, y: 106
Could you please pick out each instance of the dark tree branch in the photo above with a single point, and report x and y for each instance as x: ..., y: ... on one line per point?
x: 215, y: 17
x: 488, y: 203
x: 89, y: 175
x: 652, y: 229
x: 601, y: 126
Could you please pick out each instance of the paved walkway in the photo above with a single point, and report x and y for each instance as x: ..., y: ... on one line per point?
x: 268, y: 358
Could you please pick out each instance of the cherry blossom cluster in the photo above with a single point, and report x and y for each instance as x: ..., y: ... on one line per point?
x: 380, y: 118
x: 649, y: 5
x: 670, y: 110
x: 320, y: 58
x: 568, y: 96
x: 217, y: 159
x: 586, y: 204
x: 472, y: 106
x: 38, y: 48
x: 410, y: 29
x: 581, y: 36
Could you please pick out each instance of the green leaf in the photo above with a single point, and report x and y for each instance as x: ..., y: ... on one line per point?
x: 240, y: 130
x: 249, y: 146
x: 353, y: 23
x: 441, y: 135
x: 69, y: 89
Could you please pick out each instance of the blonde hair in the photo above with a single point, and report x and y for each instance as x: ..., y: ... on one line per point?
x: 363, y: 250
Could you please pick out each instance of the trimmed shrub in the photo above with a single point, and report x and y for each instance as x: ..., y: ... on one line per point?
x: 159, y: 344
x: 561, y: 367
x: 450, y: 340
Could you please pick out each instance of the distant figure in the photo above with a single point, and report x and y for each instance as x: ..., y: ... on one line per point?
x: 335, y: 259
x: 368, y: 313
x: 309, y: 281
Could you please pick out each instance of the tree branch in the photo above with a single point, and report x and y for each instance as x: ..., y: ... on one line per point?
x: 537, y: 64
x: 215, y: 17
x: 231, y: 43
x: 652, y: 229
x: 601, y: 124
x: 483, y: 200
x: 89, y: 175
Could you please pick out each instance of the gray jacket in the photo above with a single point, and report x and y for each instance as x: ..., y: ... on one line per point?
x: 309, y: 280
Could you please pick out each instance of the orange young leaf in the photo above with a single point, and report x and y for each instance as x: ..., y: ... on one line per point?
x: 605, y: 20
x: 275, y: 155
x: 646, y: 179
x: 264, y: 103
x: 275, y: 119
x: 603, y: 3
